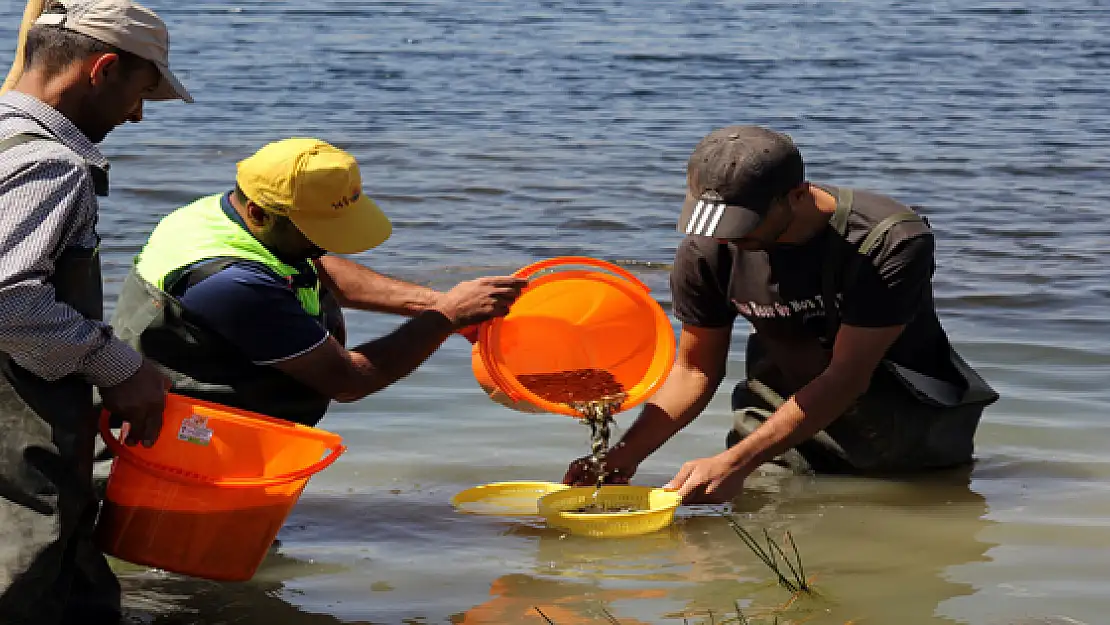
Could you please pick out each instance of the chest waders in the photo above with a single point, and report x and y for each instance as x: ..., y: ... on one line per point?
x: 50, y: 572
x: 192, y: 244
x: 905, y: 421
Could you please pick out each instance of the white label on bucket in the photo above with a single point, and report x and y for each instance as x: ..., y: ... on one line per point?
x: 194, y: 429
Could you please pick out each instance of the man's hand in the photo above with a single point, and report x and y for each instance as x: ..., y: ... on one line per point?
x: 139, y: 400
x: 480, y: 300
x: 583, y: 473
x: 698, y: 369
x: 708, y: 480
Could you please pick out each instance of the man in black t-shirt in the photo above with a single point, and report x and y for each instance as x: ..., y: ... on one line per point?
x: 848, y: 367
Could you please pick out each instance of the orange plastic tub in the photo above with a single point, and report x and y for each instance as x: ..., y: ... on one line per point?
x: 209, y: 497
x: 599, y: 318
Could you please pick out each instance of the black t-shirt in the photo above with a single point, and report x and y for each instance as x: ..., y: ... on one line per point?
x: 780, y: 291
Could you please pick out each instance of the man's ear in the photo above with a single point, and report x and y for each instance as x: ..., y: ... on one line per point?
x: 798, y: 193
x: 798, y: 196
x: 98, y: 67
x: 257, y: 216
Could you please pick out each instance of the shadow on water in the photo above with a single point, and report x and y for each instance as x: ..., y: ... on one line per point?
x: 153, y: 597
x: 157, y: 598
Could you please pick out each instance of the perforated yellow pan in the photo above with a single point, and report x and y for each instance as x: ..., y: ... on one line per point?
x: 504, y: 498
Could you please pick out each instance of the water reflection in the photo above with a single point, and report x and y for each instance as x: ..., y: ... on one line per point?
x: 875, y: 550
x: 521, y: 598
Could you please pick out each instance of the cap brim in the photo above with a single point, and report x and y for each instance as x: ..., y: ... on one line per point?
x: 716, y: 219
x: 360, y: 227
x: 169, y: 88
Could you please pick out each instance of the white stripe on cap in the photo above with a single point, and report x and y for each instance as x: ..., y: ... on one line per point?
x: 713, y: 222
x: 694, y: 217
x: 704, y: 218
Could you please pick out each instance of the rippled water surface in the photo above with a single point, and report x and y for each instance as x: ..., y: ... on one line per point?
x: 498, y: 133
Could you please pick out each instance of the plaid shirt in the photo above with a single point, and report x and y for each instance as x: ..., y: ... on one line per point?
x: 47, y: 204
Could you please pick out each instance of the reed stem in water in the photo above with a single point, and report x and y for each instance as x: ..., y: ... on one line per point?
x: 608, y: 615
x: 537, y: 609
x: 796, y: 582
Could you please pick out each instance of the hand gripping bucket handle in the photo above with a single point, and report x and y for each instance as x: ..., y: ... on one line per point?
x: 474, y: 333
x: 534, y: 268
x: 192, y: 478
x: 527, y: 272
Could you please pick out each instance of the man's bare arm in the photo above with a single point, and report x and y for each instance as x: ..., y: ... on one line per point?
x: 362, y: 288
x: 698, y: 370
x: 348, y: 375
x: 856, y: 354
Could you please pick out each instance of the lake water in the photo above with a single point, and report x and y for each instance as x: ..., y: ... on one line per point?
x: 498, y: 133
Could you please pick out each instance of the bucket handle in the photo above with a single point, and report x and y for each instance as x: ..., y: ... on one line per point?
x: 196, y: 479
x: 475, y: 332
x: 536, y: 267
x: 483, y: 330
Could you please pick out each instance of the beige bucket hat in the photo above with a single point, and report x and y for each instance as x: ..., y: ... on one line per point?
x: 126, y: 25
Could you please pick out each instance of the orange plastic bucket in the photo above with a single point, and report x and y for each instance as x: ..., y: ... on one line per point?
x: 209, y: 497
x: 604, y: 318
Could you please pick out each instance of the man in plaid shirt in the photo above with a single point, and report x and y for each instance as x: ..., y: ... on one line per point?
x: 90, y: 64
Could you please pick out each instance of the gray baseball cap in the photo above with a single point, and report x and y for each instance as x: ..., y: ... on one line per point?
x: 126, y: 25
x: 732, y: 177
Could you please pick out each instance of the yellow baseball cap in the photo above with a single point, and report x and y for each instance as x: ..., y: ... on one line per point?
x: 319, y: 188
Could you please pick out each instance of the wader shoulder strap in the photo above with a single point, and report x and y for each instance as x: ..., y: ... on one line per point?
x: 99, y: 176
x: 831, y: 268
x: 839, y: 220
x: 881, y: 229
x: 181, y: 279
x: 21, y: 138
x: 833, y: 257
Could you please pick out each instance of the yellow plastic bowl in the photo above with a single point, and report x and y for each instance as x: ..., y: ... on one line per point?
x: 504, y: 498
x: 655, y: 510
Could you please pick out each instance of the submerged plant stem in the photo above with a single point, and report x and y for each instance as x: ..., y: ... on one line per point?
x: 796, y: 582
x: 740, y: 618
x: 537, y: 609
x: 612, y: 619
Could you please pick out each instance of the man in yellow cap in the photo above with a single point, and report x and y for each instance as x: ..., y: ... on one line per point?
x: 237, y: 297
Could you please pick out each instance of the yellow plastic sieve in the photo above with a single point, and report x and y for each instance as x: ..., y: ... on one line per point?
x: 655, y: 510
x: 504, y: 498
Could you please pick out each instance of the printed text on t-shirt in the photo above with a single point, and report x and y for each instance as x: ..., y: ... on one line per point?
x: 807, y: 307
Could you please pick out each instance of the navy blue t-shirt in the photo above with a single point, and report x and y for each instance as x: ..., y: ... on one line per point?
x: 254, y: 309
